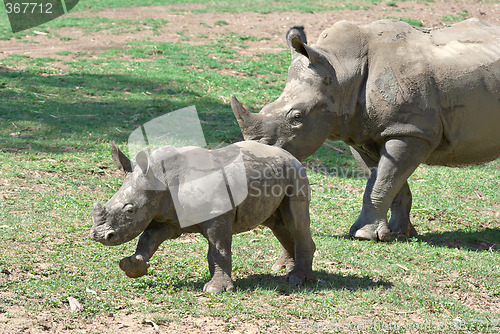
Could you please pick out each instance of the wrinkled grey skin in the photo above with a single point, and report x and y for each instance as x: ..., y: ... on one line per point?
x: 136, y: 209
x: 399, y: 96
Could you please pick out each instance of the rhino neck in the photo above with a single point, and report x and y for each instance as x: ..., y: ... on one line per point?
x: 349, y: 112
x: 346, y: 48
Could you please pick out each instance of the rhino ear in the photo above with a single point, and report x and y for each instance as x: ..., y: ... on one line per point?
x: 120, y: 160
x: 142, y: 159
x: 297, y: 33
x: 297, y: 42
x: 314, y: 56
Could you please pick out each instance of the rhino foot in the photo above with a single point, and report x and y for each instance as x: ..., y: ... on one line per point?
x: 219, y: 285
x: 376, y: 231
x: 299, y: 277
x: 134, y: 266
x: 284, y: 262
x: 403, y: 230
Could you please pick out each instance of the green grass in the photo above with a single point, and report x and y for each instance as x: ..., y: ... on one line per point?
x: 413, y: 22
x: 57, y: 120
x: 464, y: 14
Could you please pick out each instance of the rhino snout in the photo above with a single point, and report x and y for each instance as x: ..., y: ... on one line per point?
x: 105, y: 236
x: 110, y: 236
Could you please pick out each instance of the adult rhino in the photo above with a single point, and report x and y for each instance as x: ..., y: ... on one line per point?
x: 398, y: 95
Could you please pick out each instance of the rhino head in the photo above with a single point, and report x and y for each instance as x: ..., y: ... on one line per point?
x: 312, y: 105
x: 140, y: 200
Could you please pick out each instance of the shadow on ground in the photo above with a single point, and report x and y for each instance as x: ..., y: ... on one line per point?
x: 326, y: 281
x: 49, y: 112
x: 278, y: 283
x: 484, y: 240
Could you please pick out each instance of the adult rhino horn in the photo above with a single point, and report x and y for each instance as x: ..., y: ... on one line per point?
x: 243, y: 116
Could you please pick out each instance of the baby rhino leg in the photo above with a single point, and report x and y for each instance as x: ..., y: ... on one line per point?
x: 295, y: 214
x: 218, y: 232
x: 137, y: 265
x: 286, y: 260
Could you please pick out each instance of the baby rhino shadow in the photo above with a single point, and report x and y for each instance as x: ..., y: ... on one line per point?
x: 278, y: 283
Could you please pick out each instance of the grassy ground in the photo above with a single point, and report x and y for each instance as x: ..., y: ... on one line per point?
x: 57, y: 119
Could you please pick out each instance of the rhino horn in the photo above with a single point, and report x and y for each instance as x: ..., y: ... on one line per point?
x: 99, y: 212
x: 243, y: 116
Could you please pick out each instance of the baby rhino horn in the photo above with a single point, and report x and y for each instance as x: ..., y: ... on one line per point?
x: 99, y: 211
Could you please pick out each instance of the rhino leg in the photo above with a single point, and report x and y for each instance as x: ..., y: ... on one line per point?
x: 286, y: 260
x: 399, y: 223
x: 218, y: 232
x: 296, y: 230
x: 137, y: 265
x: 398, y: 160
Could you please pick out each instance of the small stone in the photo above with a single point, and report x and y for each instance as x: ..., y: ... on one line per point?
x: 75, y: 305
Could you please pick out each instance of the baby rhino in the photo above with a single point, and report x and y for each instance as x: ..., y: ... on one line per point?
x: 217, y: 193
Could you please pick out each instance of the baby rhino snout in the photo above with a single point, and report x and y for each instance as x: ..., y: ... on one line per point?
x: 102, y: 232
x: 105, y: 236
x: 110, y: 236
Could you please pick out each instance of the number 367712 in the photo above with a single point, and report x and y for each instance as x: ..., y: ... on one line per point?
x: 28, y: 7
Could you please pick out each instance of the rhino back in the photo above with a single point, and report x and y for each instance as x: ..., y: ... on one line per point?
x: 441, y: 85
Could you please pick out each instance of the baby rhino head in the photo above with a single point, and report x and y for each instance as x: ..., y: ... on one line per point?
x: 139, y: 200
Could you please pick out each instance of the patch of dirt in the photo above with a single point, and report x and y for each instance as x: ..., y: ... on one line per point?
x: 123, y: 324
x: 199, y: 28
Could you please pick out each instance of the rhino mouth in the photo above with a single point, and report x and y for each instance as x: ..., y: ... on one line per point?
x: 266, y: 141
x: 105, y: 236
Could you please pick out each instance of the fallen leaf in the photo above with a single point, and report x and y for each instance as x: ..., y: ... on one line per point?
x: 152, y: 323
x: 402, y: 267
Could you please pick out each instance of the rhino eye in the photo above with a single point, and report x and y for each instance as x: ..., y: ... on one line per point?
x: 295, y: 116
x: 129, y: 208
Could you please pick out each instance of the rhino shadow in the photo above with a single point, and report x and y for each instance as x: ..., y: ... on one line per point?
x: 484, y: 240
x: 326, y: 281
x: 277, y: 282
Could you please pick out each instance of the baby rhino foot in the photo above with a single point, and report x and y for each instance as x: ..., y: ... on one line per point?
x: 284, y: 262
x: 218, y: 285
x: 134, y: 266
x: 299, y: 277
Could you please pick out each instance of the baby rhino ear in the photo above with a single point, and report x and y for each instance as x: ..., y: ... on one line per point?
x: 148, y: 181
x: 142, y: 159
x: 121, y: 161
